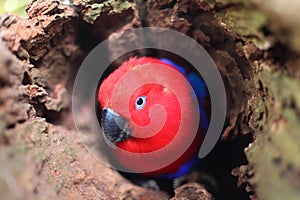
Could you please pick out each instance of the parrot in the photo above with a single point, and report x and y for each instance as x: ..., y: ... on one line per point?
x: 126, y: 114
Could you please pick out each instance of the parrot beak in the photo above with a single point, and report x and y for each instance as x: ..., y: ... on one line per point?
x: 115, y: 128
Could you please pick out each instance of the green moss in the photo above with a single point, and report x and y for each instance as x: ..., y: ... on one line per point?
x: 119, y: 6
x: 275, y: 152
x: 14, y: 6
x: 284, y: 20
x: 243, y: 18
x: 275, y: 156
x: 94, y: 10
x: 31, y: 145
x: 38, y: 77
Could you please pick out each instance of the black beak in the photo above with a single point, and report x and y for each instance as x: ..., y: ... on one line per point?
x: 115, y: 128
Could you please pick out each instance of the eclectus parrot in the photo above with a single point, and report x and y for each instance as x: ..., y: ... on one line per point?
x: 154, y: 116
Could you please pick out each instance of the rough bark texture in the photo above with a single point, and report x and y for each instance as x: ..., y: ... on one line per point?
x: 255, y: 46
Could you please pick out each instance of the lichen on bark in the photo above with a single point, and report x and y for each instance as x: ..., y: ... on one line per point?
x: 273, y: 155
x: 253, y: 43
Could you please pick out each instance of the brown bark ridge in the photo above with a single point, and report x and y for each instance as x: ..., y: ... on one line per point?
x: 254, y: 45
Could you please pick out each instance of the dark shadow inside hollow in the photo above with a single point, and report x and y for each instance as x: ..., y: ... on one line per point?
x: 225, y: 156
x: 218, y: 164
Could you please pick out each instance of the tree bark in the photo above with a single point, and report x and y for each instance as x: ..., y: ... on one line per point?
x: 254, y: 44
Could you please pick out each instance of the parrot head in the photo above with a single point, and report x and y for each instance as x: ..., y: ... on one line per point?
x: 122, y: 128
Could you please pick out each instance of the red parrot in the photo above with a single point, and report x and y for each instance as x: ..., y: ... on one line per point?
x: 154, y: 116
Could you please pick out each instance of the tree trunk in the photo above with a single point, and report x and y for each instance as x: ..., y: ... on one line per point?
x: 254, y: 44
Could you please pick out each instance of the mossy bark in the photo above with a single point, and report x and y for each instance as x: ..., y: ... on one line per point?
x: 253, y: 43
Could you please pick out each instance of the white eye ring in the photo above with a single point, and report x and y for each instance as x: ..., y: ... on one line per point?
x: 140, y: 102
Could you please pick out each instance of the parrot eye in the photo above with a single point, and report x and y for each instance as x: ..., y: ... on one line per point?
x: 140, y: 102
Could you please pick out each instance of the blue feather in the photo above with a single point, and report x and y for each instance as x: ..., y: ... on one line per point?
x: 183, y: 170
x: 201, y: 92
